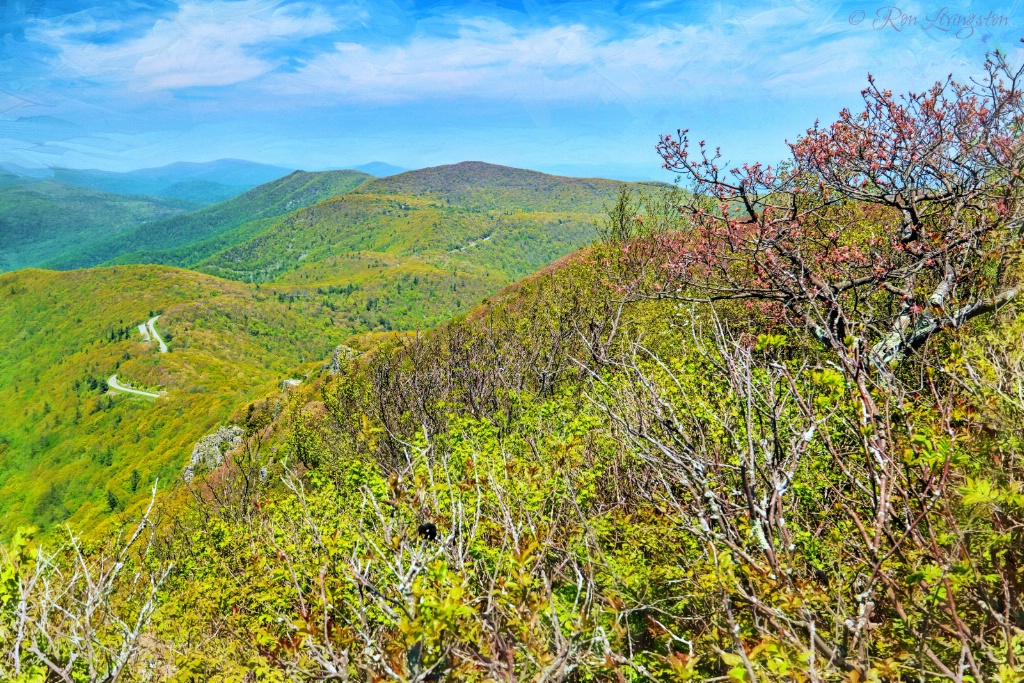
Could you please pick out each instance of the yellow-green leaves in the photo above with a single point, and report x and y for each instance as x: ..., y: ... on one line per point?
x: 769, y: 342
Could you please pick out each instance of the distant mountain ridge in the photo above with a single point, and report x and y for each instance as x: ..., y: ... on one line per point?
x: 481, y: 185
x: 380, y: 169
x: 176, y: 241
x: 225, y: 171
x: 205, y: 182
x: 40, y: 221
x: 395, y: 247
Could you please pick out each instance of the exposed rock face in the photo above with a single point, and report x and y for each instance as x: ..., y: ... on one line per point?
x: 209, y: 452
x: 340, y: 351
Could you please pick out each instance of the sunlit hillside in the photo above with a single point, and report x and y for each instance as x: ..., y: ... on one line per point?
x: 65, y: 442
x: 352, y: 264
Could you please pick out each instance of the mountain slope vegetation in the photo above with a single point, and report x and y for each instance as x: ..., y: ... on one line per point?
x: 40, y: 221
x: 768, y: 431
x: 65, y: 442
x: 170, y: 241
x: 477, y: 186
x: 396, y: 244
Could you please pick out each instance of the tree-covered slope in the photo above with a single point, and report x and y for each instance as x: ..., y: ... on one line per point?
x: 65, y: 442
x: 512, y: 243
x: 40, y: 221
x: 395, y: 245
x: 481, y: 186
x: 170, y: 241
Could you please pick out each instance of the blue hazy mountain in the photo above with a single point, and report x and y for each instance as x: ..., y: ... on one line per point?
x: 203, y: 182
x: 380, y: 169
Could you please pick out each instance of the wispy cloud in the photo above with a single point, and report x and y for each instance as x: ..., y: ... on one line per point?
x: 201, y: 44
x: 151, y: 81
x: 782, y: 52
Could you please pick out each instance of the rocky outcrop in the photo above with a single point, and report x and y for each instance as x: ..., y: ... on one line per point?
x: 340, y: 352
x: 209, y: 452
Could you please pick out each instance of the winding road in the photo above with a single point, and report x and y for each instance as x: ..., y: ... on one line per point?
x: 153, y: 333
x: 116, y: 386
x: 149, y: 333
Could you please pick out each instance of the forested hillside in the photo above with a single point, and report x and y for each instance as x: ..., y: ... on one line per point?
x: 40, y: 221
x: 769, y: 429
x: 399, y: 246
x: 65, y: 442
x: 174, y: 242
x: 480, y: 186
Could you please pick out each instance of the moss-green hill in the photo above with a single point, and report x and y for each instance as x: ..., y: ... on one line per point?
x: 65, y: 442
x: 481, y: 186
x: 40, y: 221
x: 397, y: 247
x: 174, y: 241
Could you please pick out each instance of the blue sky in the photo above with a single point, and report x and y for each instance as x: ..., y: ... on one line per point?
x: 582, y: 88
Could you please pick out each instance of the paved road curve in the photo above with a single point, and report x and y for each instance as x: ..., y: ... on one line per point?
x: 153, y: 333
x: 148, y: 331
x: 115, y: 386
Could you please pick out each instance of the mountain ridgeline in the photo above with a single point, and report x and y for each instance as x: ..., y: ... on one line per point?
x: 471, y: 216
x: 40, y: 220
x: 276, y: 278
x: 206, y: 183
x: 401, y: 252
x: 175, y: 241
x: 479, y: 186
x: 408, y: 250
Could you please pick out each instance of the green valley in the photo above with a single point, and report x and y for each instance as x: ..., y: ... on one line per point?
x: 174, y: 241
x: 397, y: 254
x: 40, y: 220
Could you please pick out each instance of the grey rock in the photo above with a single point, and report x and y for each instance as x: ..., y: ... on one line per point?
x: 208, y: 453
x: 340, y: 351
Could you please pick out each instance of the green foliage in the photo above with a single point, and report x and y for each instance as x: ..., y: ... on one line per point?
x: 230, y: 345
x: 567, y: 535
x: 170, y: 241
x: 640, y: 212
x: 40, y: 221
x: 584, y: 478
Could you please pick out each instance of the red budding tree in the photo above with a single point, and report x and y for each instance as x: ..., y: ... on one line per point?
x: 886, y: 228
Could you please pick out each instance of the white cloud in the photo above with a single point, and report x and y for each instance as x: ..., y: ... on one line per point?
x: 797, y: 50
x: 779, y: 53
x: 203, y: 44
